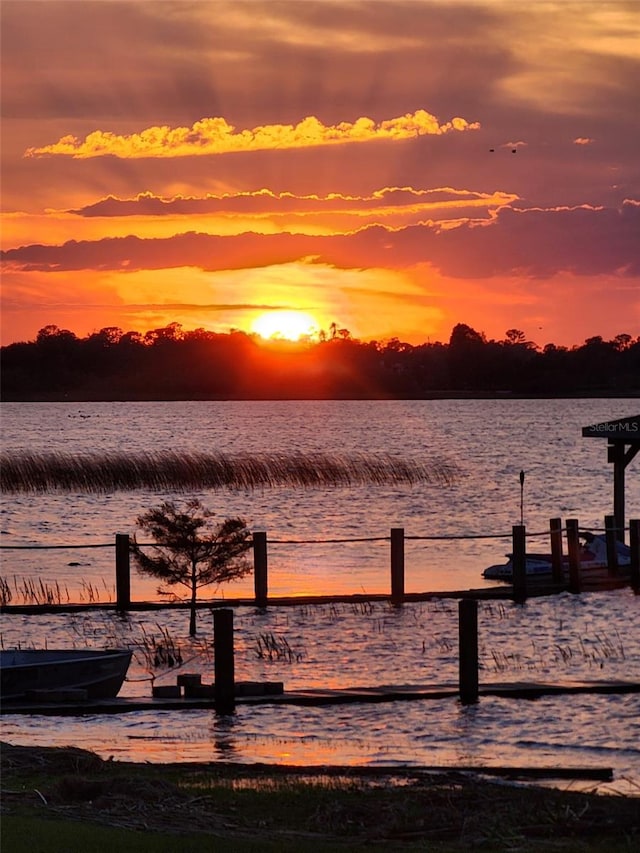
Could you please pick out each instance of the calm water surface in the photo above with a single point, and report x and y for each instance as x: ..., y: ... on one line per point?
x: 489, y: 441
x: 592, y: 636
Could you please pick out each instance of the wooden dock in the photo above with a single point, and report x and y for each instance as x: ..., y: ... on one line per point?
x: 323, y: 696
x: 536, y: 589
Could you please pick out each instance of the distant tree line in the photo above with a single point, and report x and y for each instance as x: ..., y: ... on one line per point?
x: 173, y: 364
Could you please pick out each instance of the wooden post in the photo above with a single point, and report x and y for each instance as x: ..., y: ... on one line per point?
x: 555, y: 528
x: 123, y: 572
x: 260, y: 571
x: 634, y: 544
x: 573, y: 549
x: 519, y: 560
x: 616, y: 453
x: 468, y: 650
x: 225, y: 690
x: 612, y: 538
x: 397, y: 565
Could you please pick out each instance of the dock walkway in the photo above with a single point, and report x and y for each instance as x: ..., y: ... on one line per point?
x: 535, y: 589
x: 322, y: 696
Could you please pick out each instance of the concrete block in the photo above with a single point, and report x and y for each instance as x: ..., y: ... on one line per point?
x: 249, y: 688
x: 199, y: 691
x: 189, y: 679
x: 259, y: 688
x: 166, y: 691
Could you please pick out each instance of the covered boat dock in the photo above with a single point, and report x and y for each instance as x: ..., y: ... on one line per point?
x: 623, y: 443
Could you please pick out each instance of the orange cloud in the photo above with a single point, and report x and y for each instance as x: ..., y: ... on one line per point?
x: 533, y: 243
x: 385, y: 201
x: 217, y: 136
x: 261, y: 211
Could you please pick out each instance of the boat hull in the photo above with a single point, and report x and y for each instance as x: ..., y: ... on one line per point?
x: 28, y: 672
x: 595, y: 571
x: 593, y: 561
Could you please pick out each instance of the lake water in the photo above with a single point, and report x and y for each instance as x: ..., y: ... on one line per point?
x: 591, y: 636
x: 489, y: 442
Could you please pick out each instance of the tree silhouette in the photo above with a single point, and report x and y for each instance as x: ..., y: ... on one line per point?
x: 463, y: 336
x: 515, y: 336
x: 192, y: 551
x: 172, y: 364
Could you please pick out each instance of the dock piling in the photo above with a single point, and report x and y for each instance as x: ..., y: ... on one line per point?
x: 468, y: 650
x: 397, y: 565
x: 557, y: 571
x: 519, y: 564
x: 224, y: 690
x: 123, y: 572
x: 634, y: 544
x: 573, y: 549
x: 612, y: 537
x: 260, y: 567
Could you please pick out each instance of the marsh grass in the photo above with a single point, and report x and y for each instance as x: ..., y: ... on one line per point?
x: 35, y: 591
x: 6, y: 593
x: 603, y: 648
x: 162, y: 652
x: 89, y: 592
x: 270, y: 647
x: 156, y: 650
x: 595, y: 651
x: 185, y: 471
x: 158, y: 653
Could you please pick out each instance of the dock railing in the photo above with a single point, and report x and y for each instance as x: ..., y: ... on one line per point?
x: 520, y: 588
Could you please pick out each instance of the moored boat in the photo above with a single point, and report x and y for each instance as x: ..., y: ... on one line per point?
x: 593, y: 558
x: 33, y: 673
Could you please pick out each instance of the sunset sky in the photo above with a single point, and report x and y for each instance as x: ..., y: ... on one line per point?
x: 391, y: 166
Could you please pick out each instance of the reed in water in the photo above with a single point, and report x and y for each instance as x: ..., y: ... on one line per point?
x: 184, y: 471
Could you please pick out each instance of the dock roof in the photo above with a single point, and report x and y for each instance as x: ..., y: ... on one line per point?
x: 626, y: 430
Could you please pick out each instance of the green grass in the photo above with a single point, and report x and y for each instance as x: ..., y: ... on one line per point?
x: 41, y: 835
x: 22, y: 834
x: 67, y: 800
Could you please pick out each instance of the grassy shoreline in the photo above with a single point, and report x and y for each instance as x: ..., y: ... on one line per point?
x: 67, y: 799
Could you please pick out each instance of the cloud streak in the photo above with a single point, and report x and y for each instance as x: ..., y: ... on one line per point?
x: 217, y: 136
x: 529, y: 243
x: 264, y: 201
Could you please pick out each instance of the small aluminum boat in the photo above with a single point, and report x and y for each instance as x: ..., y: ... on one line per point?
x: 33, y: 673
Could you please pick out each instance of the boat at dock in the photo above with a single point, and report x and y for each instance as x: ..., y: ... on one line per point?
x: 47, y: 674
x: 593, y: 559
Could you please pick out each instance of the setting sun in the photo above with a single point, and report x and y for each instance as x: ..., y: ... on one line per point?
x: 286, y: 325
